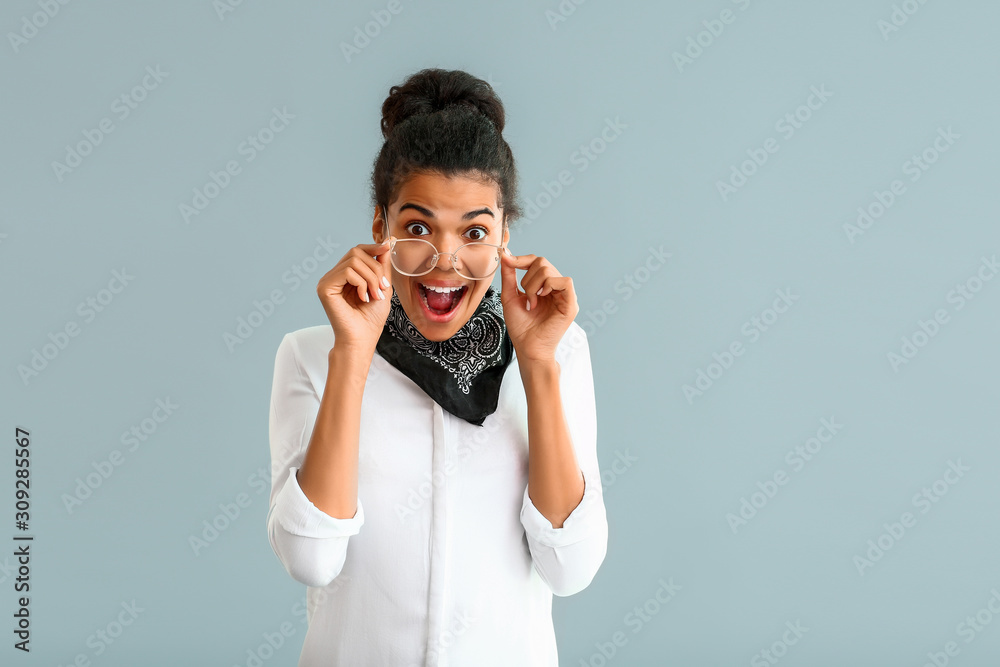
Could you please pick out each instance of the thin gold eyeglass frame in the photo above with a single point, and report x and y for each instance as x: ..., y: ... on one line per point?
x: 437, y: 255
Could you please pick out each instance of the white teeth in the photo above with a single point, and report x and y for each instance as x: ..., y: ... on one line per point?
x: 441, y: 289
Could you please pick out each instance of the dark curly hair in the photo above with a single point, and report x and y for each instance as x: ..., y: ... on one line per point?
x: 446, y: 122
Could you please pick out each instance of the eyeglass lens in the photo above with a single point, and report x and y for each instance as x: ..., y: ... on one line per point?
x: 473, y: 260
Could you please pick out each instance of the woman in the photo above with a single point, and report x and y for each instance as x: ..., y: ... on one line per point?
x: 435, y: 475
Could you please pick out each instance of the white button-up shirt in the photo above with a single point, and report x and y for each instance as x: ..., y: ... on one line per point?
x: 447, y: 562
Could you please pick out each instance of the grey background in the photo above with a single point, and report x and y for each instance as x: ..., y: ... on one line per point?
x: 655, y: 185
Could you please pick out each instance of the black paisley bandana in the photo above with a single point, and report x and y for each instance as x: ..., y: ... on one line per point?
x: 463, y: 373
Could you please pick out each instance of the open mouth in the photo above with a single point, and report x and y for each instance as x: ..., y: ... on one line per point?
x: 441, y: 303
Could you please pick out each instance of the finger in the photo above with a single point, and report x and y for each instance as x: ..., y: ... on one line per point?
x: 519, y: 261
x: 533, y: 286
x: 547, y: 289
x: 355, y: 279
x: 377, y: 256
x: 377, y: 266
x: 535, y: 277
x: 554, y: 284
x: 530, y: 283
x: 564, y: 295
x: 560, y: 287
x: 385, y: 265
x: 374, y: 249
x: 371, y: 275
x: 508, y: 279
x: 509, y: 263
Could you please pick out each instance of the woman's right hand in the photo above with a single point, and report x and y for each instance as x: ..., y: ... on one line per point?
x: 350, y: 295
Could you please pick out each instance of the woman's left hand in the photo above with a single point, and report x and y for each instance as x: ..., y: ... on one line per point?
x: 536, y: 333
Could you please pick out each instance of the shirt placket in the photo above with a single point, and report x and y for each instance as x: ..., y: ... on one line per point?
x: 440, y: 541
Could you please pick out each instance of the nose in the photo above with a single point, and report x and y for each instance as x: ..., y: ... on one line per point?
x: 447, y: 258
x: 446, y: 262
x: 441, y: 246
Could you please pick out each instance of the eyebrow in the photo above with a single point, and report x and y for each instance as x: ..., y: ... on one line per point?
x: 430, y: 214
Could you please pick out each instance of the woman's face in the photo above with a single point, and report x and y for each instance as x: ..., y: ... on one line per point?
x: 434, y: 208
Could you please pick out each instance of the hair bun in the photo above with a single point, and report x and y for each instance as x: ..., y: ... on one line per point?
x: 432, y: 90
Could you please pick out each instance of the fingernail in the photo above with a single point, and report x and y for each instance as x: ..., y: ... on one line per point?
x: 385, y: 282
x: 380, y: 294
x: 366, y: 297
x: 539, y: 290
x: 527, y: 304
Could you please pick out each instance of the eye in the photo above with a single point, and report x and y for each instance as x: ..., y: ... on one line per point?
x: 418, y: 224
x: 479, y: 233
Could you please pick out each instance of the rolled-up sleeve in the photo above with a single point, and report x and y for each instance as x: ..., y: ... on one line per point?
x: 568, y: 558
x: 311, y: 544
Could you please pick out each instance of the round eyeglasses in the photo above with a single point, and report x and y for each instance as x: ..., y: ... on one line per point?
x: 476, y: 260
